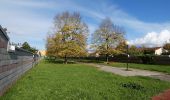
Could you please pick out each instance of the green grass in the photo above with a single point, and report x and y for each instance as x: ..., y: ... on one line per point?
x: 49, y: 81
x: 159, y: 68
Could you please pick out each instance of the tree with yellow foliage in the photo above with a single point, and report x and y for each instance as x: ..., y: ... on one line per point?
x: 69, y: 38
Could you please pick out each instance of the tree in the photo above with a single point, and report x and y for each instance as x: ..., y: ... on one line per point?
x: 122, y: 47
x: 69, y: 38
x: 33, y: 50
x: 133, y: 50
x: 27, y: 47
x: 50, y: 45
x: 167, y: 46
x: 106, y: 37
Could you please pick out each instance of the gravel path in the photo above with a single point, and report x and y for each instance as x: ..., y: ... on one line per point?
x: 133, y: 72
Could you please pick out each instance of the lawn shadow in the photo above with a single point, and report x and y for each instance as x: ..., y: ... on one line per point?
x: 59, y: 61
x: 89, y: 61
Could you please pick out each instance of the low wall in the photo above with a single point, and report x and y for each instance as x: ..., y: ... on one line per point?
x: 12, y: 66
x: 12, y: 63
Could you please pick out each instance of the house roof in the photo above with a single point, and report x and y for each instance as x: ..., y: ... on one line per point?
x: 4, y: 33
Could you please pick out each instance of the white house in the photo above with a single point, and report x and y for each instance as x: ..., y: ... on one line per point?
x: 159, y: 51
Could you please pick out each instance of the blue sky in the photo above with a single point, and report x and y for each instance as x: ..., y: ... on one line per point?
x: 147, y: 22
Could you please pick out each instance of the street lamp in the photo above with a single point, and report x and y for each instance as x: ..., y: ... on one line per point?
x: 127, y: 52
x: 169, y: 56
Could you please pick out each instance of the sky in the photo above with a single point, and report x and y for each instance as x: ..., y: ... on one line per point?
x: 146, y: 22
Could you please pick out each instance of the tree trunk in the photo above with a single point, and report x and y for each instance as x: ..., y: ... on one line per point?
x: 107, y: 56
x: 107, y: 59
x: 65, y: 59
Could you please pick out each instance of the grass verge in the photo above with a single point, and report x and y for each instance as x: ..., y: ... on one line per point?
x: 50, y: 81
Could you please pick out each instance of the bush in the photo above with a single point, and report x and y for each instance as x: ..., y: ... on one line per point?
x: 166, y: 53
x: 131, y: 85
x: 147, y: 59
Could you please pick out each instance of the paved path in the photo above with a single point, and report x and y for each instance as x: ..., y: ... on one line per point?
x: 132, y: 72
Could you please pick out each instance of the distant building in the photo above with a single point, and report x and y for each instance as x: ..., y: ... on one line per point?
x: 155, y: 50
x: 42, y: 52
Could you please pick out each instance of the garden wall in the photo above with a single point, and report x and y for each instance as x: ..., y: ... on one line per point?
x: 12, y: 63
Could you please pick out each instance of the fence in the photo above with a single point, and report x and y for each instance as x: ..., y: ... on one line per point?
x: 146, y: 59
x: 12, y: 64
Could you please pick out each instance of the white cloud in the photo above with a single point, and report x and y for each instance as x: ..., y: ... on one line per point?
x: 24, y: 22
x: 153, y: 39
x: 124, y: 19
x: 29, y: 3
x: 157, y: 33
x: 33, y: 19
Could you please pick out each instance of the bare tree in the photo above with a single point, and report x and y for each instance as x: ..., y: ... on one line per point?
x: 107, y: 36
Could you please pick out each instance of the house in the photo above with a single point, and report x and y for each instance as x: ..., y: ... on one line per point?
x: 155, y: 50
x: 160, y: 50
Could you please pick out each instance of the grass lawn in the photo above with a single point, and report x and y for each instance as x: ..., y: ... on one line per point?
x: 160, y: 68
x: 49, y: 81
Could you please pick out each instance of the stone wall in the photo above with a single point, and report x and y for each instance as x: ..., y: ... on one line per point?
x: 12, y: 64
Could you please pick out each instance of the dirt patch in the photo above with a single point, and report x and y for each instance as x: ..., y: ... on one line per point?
x: 162, y: 96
